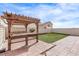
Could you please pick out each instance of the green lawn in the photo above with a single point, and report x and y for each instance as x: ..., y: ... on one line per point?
x: 52, y: 37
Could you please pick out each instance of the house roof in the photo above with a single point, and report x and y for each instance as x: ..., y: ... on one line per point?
x: 45, y: 23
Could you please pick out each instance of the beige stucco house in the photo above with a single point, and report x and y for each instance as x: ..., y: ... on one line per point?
x: 43, y: 27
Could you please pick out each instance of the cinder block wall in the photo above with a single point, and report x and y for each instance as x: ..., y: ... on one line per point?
x: 72, y: 31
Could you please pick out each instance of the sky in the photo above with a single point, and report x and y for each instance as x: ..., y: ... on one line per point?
x: 62, y: 15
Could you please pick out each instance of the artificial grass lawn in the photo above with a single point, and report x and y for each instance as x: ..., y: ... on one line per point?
x: 51, y: 37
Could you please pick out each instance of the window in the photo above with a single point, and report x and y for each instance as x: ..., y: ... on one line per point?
x: 48, y: 25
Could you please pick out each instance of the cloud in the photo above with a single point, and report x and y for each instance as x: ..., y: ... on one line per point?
x: 61, y: 15
x: 69, y: 16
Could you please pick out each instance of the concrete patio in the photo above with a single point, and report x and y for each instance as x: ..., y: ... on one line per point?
x: 68, y: 46
x: 33, y: 49
x: 65, y: 47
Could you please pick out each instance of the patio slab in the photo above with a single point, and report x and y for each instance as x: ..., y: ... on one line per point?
x: 33, y: 49
x: 68, y: 46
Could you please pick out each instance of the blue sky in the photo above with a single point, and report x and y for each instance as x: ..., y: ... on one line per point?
x: 60, y: 14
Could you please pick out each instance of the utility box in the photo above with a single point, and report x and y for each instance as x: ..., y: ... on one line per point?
x: 2, y: 39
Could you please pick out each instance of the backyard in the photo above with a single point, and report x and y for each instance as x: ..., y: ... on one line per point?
x: 51, y: 37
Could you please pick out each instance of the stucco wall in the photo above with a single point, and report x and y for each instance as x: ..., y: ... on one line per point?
x: 2, y: 38
x: 16, y: 28
x: 22, y: 28
x: 72, y: 31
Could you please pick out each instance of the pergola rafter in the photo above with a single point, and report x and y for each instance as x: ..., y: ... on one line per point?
x: 13, y: 19
x: 19, y: 18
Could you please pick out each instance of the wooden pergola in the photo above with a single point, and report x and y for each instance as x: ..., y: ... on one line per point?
x: 14, y: 19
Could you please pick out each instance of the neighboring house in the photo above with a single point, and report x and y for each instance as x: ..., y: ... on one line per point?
x: 45, y: 27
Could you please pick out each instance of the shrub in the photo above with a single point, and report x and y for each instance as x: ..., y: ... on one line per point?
x: 32, y: 30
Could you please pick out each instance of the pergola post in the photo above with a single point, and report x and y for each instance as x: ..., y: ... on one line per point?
x: 37, y: 30
x: 26, y: 38
x: 9, y: 35
x: 13, y: 19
